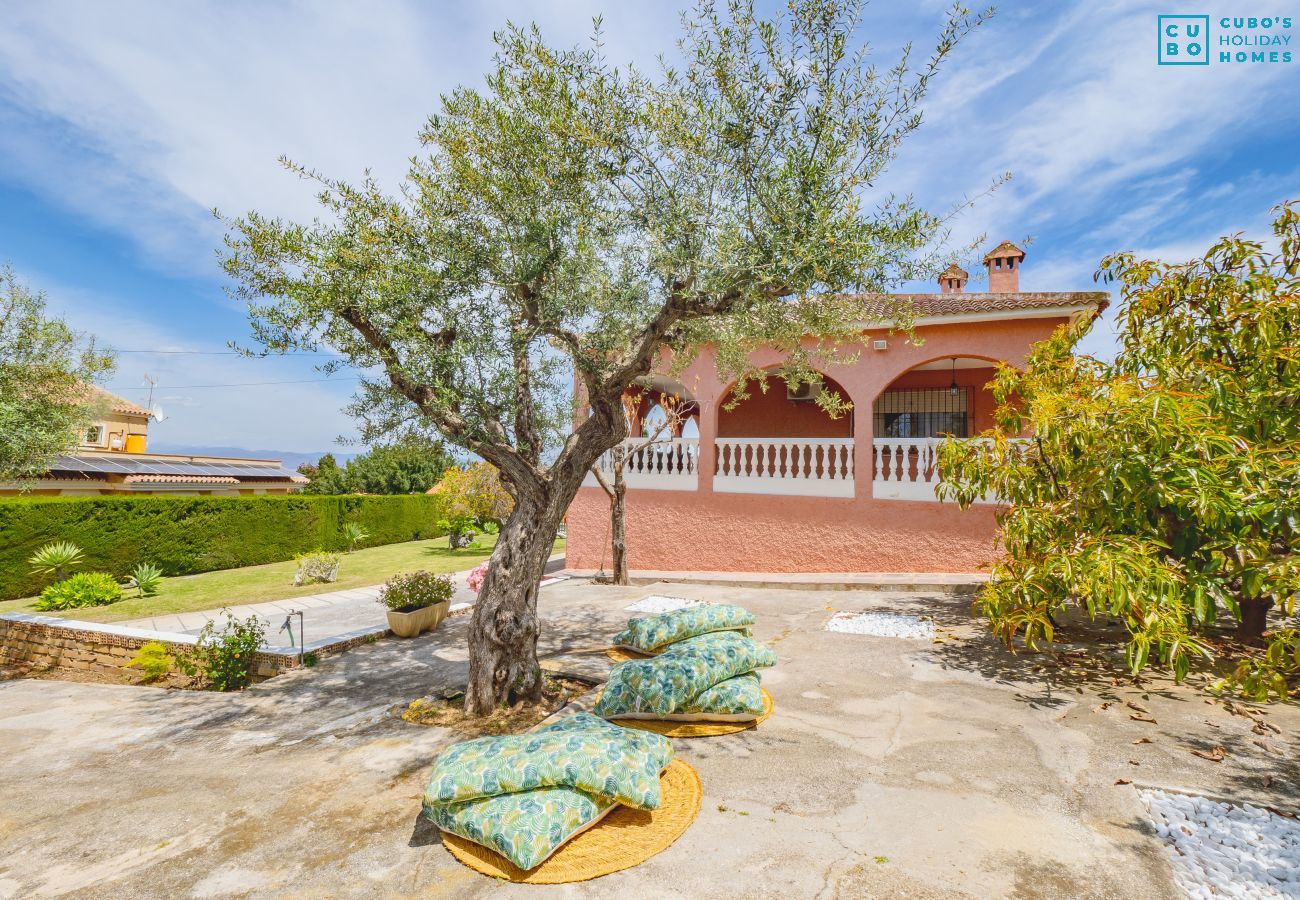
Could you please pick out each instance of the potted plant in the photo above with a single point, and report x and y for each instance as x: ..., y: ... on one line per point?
x: 416, y: 602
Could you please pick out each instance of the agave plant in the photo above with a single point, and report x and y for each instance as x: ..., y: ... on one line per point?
x: 56, y: 558
x: 146, y: 578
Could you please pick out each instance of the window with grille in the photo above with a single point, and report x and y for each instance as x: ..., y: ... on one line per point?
x: 922, y: 413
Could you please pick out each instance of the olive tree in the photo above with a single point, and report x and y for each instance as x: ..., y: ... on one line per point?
x: 45, y: 368
x: 656, y: 438
x: 1162, y: 488
x: 572, y: 219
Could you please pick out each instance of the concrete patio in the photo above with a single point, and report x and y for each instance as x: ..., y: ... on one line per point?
x: 890, y: 768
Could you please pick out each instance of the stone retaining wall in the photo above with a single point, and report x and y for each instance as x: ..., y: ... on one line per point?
x: 49, y: 643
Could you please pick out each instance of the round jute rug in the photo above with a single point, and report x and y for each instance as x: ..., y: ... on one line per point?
x: 624, y: 838
x: 698, y: 729
x: 622, y: 654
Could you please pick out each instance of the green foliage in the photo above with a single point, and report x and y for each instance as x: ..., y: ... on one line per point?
x: 325, y: 477
x: 317, y: 567
x: 55, y: 558
x: 416, y: 590
x: 43, y: 375
x: 354, y: 534
x: 80, y: 590
x: 1162, y: 489
x: 473, y: 497
x: 184, y: 535
x: 146, y: 578
x: 409, y: 466
x: 153, y: 660
x: 224, y: 658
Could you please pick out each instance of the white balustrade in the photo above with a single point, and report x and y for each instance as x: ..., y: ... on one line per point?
x: 663, y: 466
x: 808, y: 467
x: 907, y: 469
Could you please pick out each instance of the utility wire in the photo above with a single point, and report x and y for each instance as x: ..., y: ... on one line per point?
x: 190, y: 387
x: 225, y: 353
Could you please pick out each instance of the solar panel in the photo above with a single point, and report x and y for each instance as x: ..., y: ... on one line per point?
x: 146, y: 467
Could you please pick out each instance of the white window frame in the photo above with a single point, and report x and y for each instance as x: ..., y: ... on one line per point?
x: 101, y: 435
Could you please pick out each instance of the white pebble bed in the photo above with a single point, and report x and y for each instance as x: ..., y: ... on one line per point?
x: 1222, y: 850
x: 657, y: 603
x: 882, y: 625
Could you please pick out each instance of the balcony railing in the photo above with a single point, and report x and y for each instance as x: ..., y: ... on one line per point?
x: 808, y: 467
x: 901, y: 469
x: 907, y: 469
x: 670, y: 466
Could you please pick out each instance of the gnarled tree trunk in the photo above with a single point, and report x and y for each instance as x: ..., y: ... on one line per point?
x: 503, y: 631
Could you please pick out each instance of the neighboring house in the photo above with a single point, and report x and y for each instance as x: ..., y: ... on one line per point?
x: 112, y: 458
x: 777, y: 485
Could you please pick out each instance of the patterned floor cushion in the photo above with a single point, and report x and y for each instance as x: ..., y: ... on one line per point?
x: 738, y: 699
x: 526, y: 828
x: 669, y: 682
x: 520, y: 795
x: 649, y: 634
x: 580, y: 751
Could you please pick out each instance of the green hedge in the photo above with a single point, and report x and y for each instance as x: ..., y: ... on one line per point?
x: 184, y: 535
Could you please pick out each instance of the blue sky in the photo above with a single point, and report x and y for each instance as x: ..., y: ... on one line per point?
x: 122, y: 125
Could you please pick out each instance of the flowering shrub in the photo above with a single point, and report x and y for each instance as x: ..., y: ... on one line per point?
x: 82, y: 589
x: 224, y: 659
x: 476, y: 576
x: 415, y: 590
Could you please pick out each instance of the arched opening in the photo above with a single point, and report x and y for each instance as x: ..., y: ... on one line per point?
x: 784, y: 412
x: 647, y: 415
x: 945, y: 397
x: 781, y: 441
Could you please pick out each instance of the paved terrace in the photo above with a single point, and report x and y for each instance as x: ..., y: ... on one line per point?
x: 890, y: 768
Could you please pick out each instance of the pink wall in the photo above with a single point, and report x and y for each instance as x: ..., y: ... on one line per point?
x: 706, y: 531
x: 772, y: 415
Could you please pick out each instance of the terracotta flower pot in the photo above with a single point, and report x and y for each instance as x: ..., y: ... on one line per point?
x: 417, y: 621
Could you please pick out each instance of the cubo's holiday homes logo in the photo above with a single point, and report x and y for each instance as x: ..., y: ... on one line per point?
x: 1183, y: 41
x: 1187, y: 40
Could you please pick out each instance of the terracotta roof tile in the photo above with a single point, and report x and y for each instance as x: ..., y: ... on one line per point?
x: 180, y: 479
x: 937, y: 305
x: 1003, y: 250
x: 117, y: 404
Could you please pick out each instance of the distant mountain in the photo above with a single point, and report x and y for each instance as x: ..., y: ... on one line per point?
x: 289, y: 458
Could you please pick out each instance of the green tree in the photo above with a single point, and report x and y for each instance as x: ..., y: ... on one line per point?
x: 1162, y: 488
x: 571, y: 219
x: 411, y: 466
x: 44, y: 371
x: 325, y: 477
x: 474, y: 495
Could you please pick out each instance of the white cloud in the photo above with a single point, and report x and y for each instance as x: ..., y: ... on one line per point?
x: 141, y: 116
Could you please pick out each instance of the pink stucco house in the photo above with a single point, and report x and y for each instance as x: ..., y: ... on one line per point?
x: 777, y: 485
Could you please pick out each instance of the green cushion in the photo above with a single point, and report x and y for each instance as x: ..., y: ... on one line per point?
x: 525, y: 828
x: 739, y: 697
x: 650, y: 633
x: 669, y: 682
x: 527, y: 825
x: 580, y: 751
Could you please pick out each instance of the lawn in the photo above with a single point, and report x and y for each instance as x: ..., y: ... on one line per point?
x: 255, y: 584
